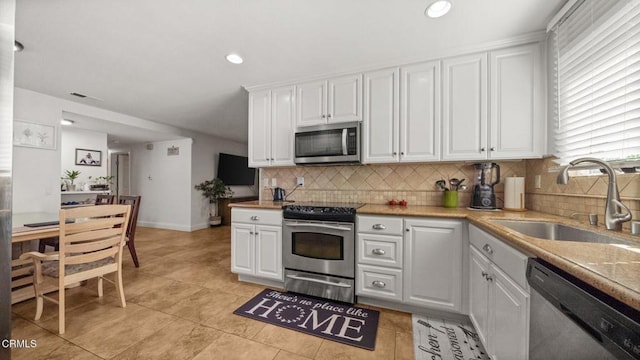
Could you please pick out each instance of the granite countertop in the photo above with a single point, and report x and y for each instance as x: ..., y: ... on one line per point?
x: 613, y: 269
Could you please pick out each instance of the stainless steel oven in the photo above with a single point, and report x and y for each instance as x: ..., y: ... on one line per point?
x: 319, y: 251
x: 331, y: 143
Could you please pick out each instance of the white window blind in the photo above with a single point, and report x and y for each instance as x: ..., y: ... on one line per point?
x: 597, y: 82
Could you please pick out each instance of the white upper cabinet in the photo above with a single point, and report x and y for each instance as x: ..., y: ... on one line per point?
x: 260, y: 128
x: 282, y: 125
x: 329, y: 101
x: 420, y: 112
x: 510, y: 122
x: 345, y: 99
x: 271, y: 127
x: 517, y: 104
x: 380, y: 125
x: 312, y: 99
x: 464, y: 102
x: 402, y: 114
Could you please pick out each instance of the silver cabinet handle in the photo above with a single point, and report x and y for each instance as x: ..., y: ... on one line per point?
x: 329, y: 116
x: 483, y: 149
x: 250, y: 232
x: 484, y: 274
x: 378, y: 252
x: 395, y: 153
x: 324, y: 116
x: 492, y: 149
x: 378, y: 284
x: 402, y: 153
x: 255, y: 218
x: 489, y: 277
x: 255, y: 233
x: 378, y: 227
x: 487, y: 248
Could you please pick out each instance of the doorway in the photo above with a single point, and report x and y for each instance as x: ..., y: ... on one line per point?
x: 120, y: 171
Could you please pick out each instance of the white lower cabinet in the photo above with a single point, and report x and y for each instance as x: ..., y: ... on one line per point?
x: 256, y: 243
x: 433, y: 263
x: 498, y: 304
x: 410, y: 260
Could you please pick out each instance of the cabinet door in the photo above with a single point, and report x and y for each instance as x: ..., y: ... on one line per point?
x: 268, y: 246
x: 380, y: 124
x: 311, y: 103
x: 517, y: 109
x: 259, y: 128
x: 420, y: 112
x: 509, y: 306
x: 282, y: 125
x: 344, y: 99
x: 479, y: 293
x: 433, y: 263
x: 242, y: 249
x: 464, y: 112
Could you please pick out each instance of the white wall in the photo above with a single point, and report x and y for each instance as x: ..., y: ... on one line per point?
x: 164, y: 182
x: 36, y: 172
x: 73, y: 139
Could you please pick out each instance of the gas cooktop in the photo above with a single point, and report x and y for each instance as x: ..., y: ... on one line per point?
x: 325, y: 211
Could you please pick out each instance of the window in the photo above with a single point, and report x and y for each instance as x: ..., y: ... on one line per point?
x: 596, y: 88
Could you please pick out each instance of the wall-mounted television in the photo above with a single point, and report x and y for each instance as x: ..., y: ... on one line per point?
x: 235, y: 170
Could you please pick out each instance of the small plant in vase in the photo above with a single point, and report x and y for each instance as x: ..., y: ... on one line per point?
x: 213, y: 190
x: 69, y: 177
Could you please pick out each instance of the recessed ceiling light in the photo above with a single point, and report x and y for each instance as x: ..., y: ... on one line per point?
x: 17, y: 46
x: 234, y: 59
x: 438, y: 8
x: 66, y: 122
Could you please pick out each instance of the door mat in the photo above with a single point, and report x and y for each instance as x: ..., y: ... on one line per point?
x: 437, y: 338
x: 324, y: 318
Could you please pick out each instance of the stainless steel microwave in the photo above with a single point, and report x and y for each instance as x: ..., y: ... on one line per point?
x: 325, y: 144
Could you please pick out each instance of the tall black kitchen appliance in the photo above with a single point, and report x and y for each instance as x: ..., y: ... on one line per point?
x: 486, y: 176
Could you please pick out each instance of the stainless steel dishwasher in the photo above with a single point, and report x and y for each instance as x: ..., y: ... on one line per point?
x: 572, y: 320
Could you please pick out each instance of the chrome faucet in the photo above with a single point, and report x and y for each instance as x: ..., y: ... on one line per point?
x: 613, y: 217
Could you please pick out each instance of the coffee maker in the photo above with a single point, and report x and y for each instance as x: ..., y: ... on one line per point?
x: 486, y: 176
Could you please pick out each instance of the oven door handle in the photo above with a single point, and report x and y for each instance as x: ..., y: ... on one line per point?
x: 341, y: 228
x: 324, y: 282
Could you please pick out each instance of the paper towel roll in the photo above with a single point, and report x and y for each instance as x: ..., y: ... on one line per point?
x: 514, y: 193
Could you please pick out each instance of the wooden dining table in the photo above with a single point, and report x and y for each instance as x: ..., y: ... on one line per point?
x: 21, y: 237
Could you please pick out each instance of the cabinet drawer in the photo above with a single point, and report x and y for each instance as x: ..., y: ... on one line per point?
x: 510, y: 260
x: 386, y: 225
x: 383, y: 250
x: 383, y: 283
x: 256, y: 216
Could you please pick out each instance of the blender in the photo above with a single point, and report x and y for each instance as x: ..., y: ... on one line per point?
x: 486, y: 176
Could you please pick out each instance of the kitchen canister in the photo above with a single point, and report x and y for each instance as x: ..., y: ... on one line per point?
x: 514, y: 194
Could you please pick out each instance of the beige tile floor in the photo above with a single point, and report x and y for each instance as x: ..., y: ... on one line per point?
x: 179, y: 306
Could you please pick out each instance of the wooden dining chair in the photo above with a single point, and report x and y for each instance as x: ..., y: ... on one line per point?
x: 101, y: 199
x: 90, y: 247
x: 105, y: 199
x: 134, y: 201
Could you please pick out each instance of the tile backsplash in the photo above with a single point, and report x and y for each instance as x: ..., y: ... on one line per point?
x: 415, y: 183
x: 377, y: 184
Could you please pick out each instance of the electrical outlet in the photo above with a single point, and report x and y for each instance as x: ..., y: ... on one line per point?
x: 300, y: 181
x: 265, y: 182
x: 274, y: 182
x: 538, y: 182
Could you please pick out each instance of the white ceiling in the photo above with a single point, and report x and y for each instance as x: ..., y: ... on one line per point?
x: 164, y: 60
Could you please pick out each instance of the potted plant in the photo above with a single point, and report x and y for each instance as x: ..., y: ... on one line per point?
x: 70, y: 176
x: 101, y: 182
x: 213, y: 190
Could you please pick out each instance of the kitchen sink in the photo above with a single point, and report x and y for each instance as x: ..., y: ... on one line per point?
x: 555, y: 231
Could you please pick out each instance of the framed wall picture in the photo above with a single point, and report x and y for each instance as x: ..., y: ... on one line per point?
x: 88, y: 157
x: 34, y: 135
